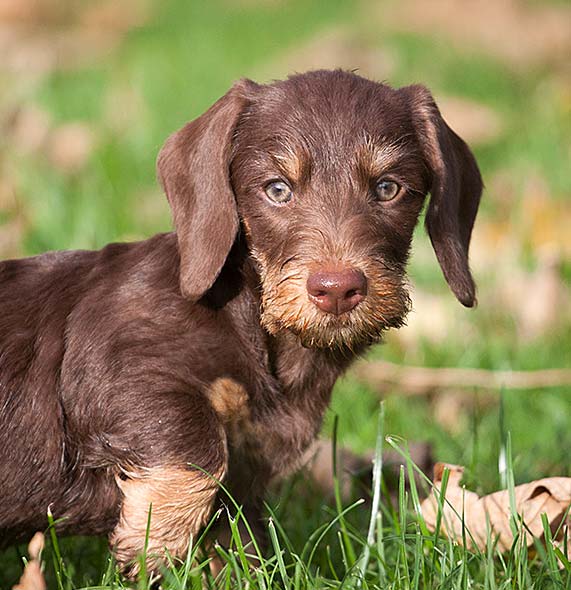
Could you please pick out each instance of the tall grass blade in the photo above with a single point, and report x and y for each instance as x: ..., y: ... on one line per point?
x: 375, y: 512
x: 59, y: 566
x: 349, y: 549
x: 278, y: 552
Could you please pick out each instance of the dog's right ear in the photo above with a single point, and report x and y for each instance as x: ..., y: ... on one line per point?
x: 193, y: 168
x: 455, y: 192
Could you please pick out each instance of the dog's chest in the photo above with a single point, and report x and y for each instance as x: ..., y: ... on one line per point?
x: 271, y: 423
x: 272, y: 433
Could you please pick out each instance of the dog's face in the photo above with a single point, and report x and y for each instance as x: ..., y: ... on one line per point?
x: 326, y: 173
x: 329, y: 181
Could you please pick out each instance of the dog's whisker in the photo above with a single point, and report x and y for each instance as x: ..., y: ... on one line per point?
x: 288, y: 278
x: 289, y: 259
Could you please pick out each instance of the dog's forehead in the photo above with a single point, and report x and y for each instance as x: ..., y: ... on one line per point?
x: 331, y: 106
x: 325, y: 125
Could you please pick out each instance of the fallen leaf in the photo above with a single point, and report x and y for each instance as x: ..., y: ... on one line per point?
x: 32, y: 578
x: 466, y: 513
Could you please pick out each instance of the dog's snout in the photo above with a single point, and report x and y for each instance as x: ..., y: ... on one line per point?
x: 337, y: 291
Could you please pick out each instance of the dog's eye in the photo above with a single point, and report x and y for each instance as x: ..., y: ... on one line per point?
x: 386, y: 190
x: 279, y: 191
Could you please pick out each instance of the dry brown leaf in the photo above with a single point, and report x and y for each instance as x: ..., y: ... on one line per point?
x: 32, y: 578
x: 463, y: 508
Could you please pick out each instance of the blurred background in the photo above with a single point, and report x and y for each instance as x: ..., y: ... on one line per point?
x: 89, y: 90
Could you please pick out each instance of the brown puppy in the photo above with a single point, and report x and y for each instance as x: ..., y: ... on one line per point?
x: 217, y: 346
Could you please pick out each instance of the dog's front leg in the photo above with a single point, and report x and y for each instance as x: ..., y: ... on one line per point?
x: 170, y: 493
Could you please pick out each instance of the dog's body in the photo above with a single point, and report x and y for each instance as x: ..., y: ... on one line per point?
x: 112, y: 369
x: 127, y: 374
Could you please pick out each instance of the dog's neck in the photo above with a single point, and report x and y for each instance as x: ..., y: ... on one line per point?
x: 301, y: 370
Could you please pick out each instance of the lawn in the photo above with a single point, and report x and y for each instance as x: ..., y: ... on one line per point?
x: 77, y: 153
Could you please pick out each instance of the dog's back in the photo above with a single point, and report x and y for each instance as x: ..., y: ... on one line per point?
x: 54, y: 307
x: 36, y: 295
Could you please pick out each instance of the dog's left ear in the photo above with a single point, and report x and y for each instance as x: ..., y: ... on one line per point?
x: 193, y: 168
x: 455, y: 192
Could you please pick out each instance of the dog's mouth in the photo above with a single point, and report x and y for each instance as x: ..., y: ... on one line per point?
x: 288, y: 306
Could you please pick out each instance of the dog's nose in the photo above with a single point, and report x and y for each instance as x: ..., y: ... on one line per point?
x: 337, y: 291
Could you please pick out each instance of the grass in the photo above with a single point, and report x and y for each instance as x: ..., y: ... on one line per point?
x: 170, y: 70
x: 383, y: 542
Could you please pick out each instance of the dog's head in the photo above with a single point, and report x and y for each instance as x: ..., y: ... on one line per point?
x: 326, y: 173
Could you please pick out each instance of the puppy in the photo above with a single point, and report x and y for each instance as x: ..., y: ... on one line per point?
x: 148, y: 373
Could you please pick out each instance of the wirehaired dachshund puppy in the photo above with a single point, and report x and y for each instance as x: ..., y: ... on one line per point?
x: 149, y: 372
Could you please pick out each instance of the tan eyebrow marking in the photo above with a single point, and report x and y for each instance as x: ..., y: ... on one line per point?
x: 375, y: 157
x: 294, y: 164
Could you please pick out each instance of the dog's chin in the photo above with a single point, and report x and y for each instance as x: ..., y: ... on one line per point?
x: 339, y: 340
x: 347, y: 332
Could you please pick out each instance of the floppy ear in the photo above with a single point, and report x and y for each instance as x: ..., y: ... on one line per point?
x: 193, y: 168
x: 455, y: 192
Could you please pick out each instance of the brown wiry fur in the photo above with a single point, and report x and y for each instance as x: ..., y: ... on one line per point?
x: 129, y: 373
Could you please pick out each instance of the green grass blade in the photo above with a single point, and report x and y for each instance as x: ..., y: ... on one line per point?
x: 375, y: 512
